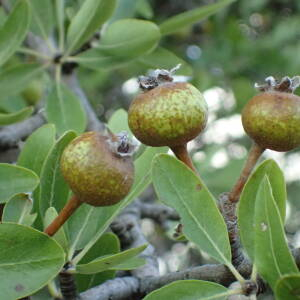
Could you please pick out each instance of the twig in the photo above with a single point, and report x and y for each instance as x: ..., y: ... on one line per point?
x: 129, y: 231
x: 157, y: 212
x: 68, y: 286
x: 228, y: 210
x: 253, y: 156
x: 10, y: 135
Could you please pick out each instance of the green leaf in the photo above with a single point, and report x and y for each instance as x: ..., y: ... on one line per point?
x: 202, y: 222
x: 246, y: 207
x: 37, y: 147
x: 42, y: 20
x: 288, y: 287
x: 92, y: 14
x: 15, y: 79
x: 18, y: 209
x: 24, y: 272
x: 14, y: 30
x: 89, y: 223
x: 272, y: 256
x: 6, y: 119
x: 144, y: 9
x: 108, y: 243
x: 190, y: 17
x: 162, y: 58
x: 105, y: 263
x: 15, y: 180
x: 129, y: 38
x: 130, y: 264
x: 54, y: 191
x: 60, y: 235
x: 95, y: 59
x: 190, y: 290
x: 64, y: 110
x: 119, y: 122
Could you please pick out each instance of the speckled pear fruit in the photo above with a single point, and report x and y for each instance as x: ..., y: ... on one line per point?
x: 97, y: 168
x: 272, y: 120
x: 169, y: 114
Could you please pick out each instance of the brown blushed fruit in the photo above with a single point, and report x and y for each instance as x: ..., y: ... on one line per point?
x: 272, y: 120
x: 170, y: 114
x: 96, y: 174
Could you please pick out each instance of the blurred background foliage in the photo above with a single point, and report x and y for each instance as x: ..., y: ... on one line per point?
x: 225, y: 54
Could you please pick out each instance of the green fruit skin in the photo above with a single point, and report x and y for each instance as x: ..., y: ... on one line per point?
x: 33, y: 93
x: 272, y: 120
x: 96, y: 175
x: 169, y: 115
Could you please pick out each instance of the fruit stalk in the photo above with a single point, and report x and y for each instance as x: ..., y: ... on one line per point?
x: 253, y: 156
x: 182, y: 154
x: 63, y: 216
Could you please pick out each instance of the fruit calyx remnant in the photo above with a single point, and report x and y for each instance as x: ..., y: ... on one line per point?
x: 156, y: 78
x: 121, y: 144
x: 286, y: 84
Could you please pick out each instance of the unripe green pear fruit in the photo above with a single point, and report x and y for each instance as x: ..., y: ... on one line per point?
x: 97, y: 168
x: 170, y: 114
x: 33, y: 92
x: 272, y: 120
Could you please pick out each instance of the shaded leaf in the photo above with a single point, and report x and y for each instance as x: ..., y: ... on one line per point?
x: 246, y: 207
x: 60, y: 235
x: 202, y: 222
x: 6, y: 119
x: 15, y: 180
x: 64, y: 110
x: 95, y: 59
x: 190, y: 17
x: 39, y: 142
x: 89, y: 223
x: 108, y: 243
x: 42, y: 20
x: 14, y: 30
x: 109, y: 261
x: 162, y: 58
x: 130, y: 264
x: 288, y: 287
x: 119, y: 122
x: 15, y: 79
x: 54, y: 191
x: 129, y: 38
x: 190, y: 290
x: 272, y: 256
x: 91, y: 15
x: 24, y: 272
x: 17, y: 210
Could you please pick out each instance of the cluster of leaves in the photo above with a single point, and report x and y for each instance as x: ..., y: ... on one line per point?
x: 37, y: 177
